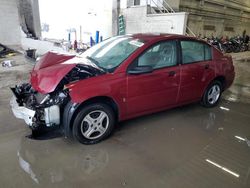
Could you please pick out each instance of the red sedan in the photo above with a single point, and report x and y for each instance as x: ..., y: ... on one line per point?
x: 118, y: 79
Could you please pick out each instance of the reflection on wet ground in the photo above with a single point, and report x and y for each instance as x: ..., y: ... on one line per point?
x: 240, y: 90
x: 184, y: 147
x: 190, y: 146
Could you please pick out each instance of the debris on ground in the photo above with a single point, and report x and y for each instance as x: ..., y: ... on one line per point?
x: 31, y: 53
x: 7, y: 63
x: 18, y: 73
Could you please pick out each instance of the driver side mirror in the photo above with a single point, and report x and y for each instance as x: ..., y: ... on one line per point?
x: 140, y: 70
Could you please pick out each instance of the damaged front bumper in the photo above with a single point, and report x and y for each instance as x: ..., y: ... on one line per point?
x: 37, y: 109
x: 22, y: 112
x: 51, y: 114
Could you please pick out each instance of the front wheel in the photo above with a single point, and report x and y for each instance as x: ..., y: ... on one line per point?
x: 93, y: 123
x: 212, y: 94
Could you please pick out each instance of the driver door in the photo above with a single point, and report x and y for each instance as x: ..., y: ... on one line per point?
x: 156, y: 90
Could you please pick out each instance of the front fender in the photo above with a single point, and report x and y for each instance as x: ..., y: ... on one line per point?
x: 110, y: 86
x: 68, y: 114
x: 79, y: 95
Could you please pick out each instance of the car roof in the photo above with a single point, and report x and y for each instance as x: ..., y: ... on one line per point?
x: 152, y: 36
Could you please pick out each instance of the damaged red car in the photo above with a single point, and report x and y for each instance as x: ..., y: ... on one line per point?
x: 120, y: 78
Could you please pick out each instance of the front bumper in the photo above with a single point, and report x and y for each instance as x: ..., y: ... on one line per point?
x: 22, y: 112
x: 51, y: 114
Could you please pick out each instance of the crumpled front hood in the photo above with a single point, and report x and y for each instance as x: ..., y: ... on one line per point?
x: 50, y: 70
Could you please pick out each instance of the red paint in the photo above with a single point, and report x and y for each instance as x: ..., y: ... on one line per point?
x: 147, y: 92
x: 137, y: 94
x: 49, y: 71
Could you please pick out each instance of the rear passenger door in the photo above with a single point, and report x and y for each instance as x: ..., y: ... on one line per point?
x: 197, y: 69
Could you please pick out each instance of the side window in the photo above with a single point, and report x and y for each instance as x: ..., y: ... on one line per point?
x: 193, y: 51
x: 160, y: 55
x: 208, y: 54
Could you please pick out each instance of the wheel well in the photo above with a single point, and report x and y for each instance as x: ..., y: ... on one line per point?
x: 222, y: 80
x: 100, y: 99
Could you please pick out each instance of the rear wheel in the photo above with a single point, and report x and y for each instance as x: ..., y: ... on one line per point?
x: 93, y: 123
x: 212, y: 94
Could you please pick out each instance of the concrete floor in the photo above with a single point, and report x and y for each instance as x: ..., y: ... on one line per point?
x: 190, y: 146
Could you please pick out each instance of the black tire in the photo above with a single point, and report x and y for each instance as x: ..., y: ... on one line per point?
x: 206, y: 99
x: 81, y: 125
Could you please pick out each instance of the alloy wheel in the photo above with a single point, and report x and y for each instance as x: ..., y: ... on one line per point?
x: 94, y: 124
x: 213, y: 94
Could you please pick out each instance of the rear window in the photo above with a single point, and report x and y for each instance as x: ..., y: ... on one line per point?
x: 193, y: 51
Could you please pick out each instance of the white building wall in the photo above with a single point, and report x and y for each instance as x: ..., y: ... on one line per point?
x: 138, y: 21
x: 91, y: 15
x: 10, y: 32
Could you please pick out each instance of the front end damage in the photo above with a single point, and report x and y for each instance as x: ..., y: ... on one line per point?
x: 41, y: 103
x: 36, y: 109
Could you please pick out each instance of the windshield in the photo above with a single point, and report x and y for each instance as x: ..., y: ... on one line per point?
x: 110, y: 53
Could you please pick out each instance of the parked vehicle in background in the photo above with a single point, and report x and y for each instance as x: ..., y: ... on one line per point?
x: 229, y: 45
x: 118, y: 79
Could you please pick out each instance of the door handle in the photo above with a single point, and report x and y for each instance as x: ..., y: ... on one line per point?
x: 171, y: 73
x: 206, y: 66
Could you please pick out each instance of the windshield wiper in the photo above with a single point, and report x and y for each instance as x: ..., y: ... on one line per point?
x: 96, y: 63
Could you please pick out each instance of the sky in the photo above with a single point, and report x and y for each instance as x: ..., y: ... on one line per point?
x: 61, y: 15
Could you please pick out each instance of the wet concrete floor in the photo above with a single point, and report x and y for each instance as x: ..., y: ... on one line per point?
x: 189, y: 146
